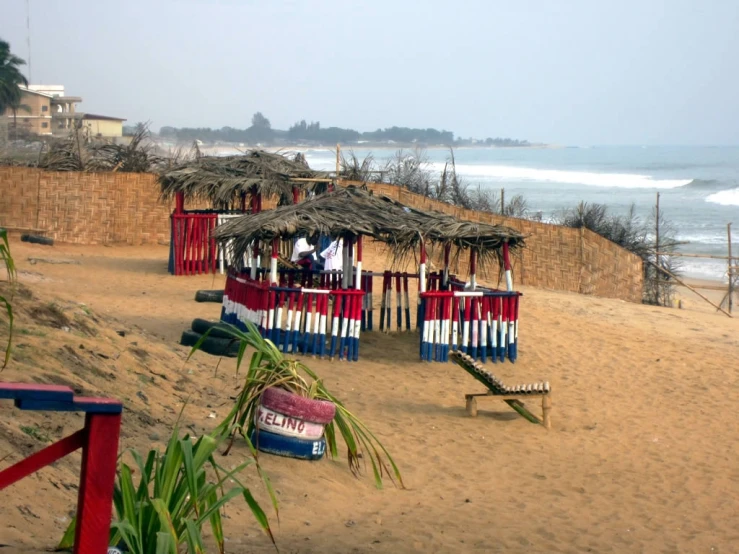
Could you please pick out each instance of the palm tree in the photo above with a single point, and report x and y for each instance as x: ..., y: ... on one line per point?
x: 11, y: 79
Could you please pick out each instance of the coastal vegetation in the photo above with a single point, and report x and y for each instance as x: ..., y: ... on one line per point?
x: 302, y: 132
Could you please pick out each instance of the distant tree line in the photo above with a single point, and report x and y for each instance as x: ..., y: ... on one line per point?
x: 261, y: 131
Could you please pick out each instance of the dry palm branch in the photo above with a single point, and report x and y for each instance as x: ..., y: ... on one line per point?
x: 496, y: 388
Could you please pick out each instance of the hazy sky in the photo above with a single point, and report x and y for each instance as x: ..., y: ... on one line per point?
x: 568, y: 71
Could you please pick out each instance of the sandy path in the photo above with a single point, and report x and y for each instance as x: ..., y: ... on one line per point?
x: 641, y: 458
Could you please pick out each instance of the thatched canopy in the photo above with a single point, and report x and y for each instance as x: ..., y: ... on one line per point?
x: 222, y: 180
x: 352, y: 211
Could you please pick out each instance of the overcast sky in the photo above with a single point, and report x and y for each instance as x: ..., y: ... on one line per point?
x: 567, y: 72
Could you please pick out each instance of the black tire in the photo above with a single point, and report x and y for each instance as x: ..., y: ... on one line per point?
x: 217, y: 329
x: 209, y: 296
x: 211, y: 345
x: 35, y: 239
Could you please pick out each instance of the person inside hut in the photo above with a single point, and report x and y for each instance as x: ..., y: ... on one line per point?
x: 304, y: 253
x: 332, y: 255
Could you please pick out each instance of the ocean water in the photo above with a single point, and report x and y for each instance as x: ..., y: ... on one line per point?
x: 699, y: 186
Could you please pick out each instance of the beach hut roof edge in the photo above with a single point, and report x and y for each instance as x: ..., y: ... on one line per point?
x: 222, y: 179
x: 352, y: 211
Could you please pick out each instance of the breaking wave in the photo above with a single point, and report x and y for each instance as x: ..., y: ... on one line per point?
x: 725, y: 197
x: 514, y: 173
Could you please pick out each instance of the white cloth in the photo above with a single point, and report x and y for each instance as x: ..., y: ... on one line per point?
x: 301, y: 245
x: 333, y: 255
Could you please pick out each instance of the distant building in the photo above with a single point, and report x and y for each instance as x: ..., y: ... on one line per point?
x: 48, y: 111
x: 103, y: 126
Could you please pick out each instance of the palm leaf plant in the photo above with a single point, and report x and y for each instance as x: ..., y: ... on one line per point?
x: 177, y: 494
x: 268, y: 367
x: 7, y: 260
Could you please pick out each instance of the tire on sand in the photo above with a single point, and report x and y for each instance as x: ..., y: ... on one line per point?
x: 217, y: 329
x: 279, y: 424
x: 209, y: 296
x: 211, y: 345
x: 36, y: 239
x: 289, y: 447
x: 289, y: 404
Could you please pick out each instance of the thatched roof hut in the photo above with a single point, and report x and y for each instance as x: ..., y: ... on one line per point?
x: 222, y: 180
x: 352, y: 211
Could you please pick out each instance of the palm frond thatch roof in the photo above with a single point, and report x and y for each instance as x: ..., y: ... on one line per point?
x: 353, y: 211
x: 222, y: 179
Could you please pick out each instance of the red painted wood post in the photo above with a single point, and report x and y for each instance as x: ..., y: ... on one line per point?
x: 179, y: 202
x: 94, y: 503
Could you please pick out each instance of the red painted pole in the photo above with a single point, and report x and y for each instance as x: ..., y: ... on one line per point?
x: 179, y: 200
x: 213, y: 245
x: 296, y: 195
x: 198, y: 241
x: 99, y: 458
x: 188, y: 254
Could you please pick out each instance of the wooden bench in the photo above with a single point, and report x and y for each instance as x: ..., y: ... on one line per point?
x: 99, y: 443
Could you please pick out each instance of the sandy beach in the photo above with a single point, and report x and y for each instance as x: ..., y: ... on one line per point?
x: 641, y: 456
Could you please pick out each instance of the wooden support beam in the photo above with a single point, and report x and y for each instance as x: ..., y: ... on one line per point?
x: 42, y: 458
x: 688, y: 286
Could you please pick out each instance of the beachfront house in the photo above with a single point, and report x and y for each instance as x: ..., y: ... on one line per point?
x: 46, y: 111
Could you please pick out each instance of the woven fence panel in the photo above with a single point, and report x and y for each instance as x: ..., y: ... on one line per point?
x: 19, y: 188
x: 85, y: 208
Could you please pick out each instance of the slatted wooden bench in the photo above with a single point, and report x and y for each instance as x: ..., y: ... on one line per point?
x: 99, y: 443
x: 510, y: 395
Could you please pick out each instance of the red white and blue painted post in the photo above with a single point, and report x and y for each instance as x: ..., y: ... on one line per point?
x: 296, y: 326
x: 344, y: 323
x: 466, y: 320
x: 474, y: 326
x: 288, y: 322
x: 512, y: 327
x: 503, y: 327
x: 358, y: 301
x: 455, y: 323
x: 445, y: 327
x: 308, y: 320
x: 357, y: 310
x: 335, y: 322
x: 324, y: 318
x: 485, y: 300
x: 315, y: 348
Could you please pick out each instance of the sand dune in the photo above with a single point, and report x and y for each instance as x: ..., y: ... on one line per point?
x: 641, y: 457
